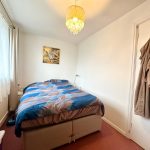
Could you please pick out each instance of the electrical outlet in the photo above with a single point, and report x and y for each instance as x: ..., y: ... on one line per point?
x: 77, y: 75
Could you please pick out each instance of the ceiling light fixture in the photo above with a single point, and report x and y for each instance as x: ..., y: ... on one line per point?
x: 75, y: 19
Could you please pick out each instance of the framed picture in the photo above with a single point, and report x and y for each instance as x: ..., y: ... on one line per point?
x: 51, y: 55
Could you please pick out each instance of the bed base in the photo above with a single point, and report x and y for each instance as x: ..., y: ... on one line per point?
x: 54, y: 136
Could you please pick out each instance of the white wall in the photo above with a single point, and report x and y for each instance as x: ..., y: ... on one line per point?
x: 32, y: 69
x: 105, y: 64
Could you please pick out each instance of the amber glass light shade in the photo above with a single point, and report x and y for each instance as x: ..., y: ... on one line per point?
x: 75, y: 19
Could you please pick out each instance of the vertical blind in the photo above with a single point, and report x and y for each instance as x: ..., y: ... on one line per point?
x: 4, y: 59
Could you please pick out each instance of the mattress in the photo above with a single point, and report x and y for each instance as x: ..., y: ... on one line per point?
x: 62, y: 117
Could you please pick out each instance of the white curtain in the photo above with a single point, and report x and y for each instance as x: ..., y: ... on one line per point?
x: 8, y: 63
x: 14, y: 44
x: 4, y: 59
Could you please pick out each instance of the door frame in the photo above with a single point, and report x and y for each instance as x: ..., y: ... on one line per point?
x: 133, y: 69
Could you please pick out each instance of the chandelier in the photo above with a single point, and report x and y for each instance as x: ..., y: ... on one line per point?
x: 75, y: 19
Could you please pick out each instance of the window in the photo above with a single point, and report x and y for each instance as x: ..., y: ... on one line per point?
x: 4, y: 59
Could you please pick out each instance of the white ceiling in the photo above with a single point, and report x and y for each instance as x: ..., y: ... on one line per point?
x: 47, y: 17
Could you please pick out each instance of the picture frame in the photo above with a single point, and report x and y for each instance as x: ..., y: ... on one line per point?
x: 51, y: 55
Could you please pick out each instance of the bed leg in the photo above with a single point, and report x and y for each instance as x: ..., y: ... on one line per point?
x: 74, y: 140
x: 70, y: 139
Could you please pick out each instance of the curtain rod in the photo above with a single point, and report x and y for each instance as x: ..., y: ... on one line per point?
x: 6, y: 16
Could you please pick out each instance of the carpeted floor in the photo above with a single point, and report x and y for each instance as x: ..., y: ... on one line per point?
x: 107, y: 139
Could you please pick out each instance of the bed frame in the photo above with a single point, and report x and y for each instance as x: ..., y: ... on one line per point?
x: 54, y: 136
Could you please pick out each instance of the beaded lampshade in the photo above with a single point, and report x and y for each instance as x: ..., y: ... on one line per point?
x: 75, y: 19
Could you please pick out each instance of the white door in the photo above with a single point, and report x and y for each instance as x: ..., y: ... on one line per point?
x: 140, y: 131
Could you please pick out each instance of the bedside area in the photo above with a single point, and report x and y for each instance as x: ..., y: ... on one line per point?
x: 20, y: 93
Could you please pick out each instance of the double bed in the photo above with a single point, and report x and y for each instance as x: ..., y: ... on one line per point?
x: 54, y: 112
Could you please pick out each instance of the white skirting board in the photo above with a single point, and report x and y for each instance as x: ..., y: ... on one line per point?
x: 3, y: 119
x: 115, y: 127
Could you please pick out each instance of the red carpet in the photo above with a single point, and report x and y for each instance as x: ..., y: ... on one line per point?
x: 107, y: 139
